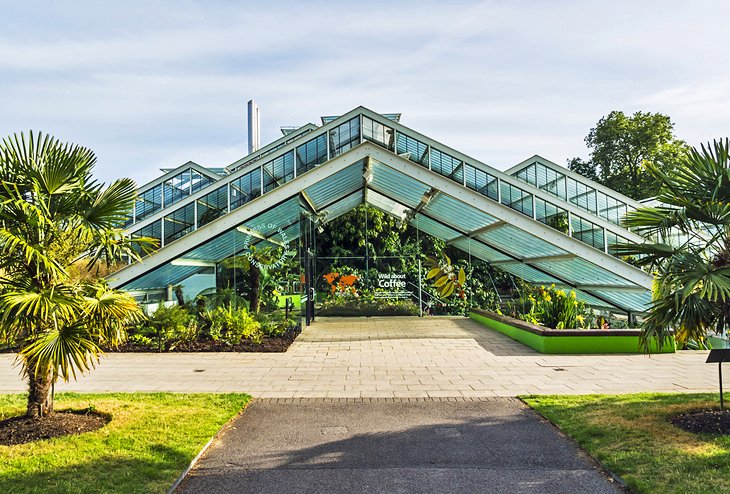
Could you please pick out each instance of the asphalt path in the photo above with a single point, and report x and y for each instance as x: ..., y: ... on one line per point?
x: 394, y: 446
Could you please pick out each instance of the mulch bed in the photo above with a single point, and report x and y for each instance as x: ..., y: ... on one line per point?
x: 21, y: 430
x: 704, y: 421
x: 278, y: 344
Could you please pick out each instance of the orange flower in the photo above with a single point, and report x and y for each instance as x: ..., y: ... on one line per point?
x: 348, y: 280
x: 330, y: 277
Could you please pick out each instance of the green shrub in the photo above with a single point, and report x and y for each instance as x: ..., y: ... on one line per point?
x: 232, y: 326
x: 276, y: 323
x: 166, y: 328
x: 551, y: 307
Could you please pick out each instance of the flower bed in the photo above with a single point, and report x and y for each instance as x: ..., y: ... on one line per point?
x: 351, y: 307
x: 546, y: 340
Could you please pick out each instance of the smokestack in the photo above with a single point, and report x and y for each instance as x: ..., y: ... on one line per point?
x: 254, y: 127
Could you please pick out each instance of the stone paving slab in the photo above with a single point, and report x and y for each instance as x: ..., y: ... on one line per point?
x: 390, y: 358
x: 330, y: 446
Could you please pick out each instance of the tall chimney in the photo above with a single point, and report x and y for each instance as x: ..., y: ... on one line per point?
x: 254, y: 127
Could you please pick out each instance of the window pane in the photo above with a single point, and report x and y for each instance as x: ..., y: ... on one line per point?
x: 552, y: 215
x: 344, y: 137
x: 516, y: 198
x: 149, y: 202
x: 153, y: 230
x: 481, y: 181
x: 587, y: 232
x: 245, y: 188
x: 212, y: 205
x: 279, y: 171
x: 179, y: 223
x: 413, y: 149
x: 311, y: 154
x: 177, y: 187
x: 377, y: 133
x: 199, y: 180
x: 446, y: 165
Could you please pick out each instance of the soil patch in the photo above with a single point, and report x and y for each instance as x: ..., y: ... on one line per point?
x: 277, y: 344
x: 21, y: 430
x: 704, y: 421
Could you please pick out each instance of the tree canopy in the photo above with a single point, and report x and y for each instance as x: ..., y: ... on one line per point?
x: 623, y: 146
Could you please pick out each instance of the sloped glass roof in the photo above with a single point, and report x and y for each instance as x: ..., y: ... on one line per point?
x: 499, y: 223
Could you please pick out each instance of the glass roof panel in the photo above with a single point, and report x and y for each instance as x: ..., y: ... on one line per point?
x: 395, y: 184
x: 478, y: 249
x: 528, y: 273
x: 387, y: 205
x: 581, y: 272
x: 518, y: 242
x: 457, y: 213
x: 638, y: 302
x: 434, y: 228
x: 590, y: 299
x: 342, y: 206
x: 336, y: 186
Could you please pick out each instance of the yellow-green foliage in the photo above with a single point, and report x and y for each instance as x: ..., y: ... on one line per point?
x: 552, y: 307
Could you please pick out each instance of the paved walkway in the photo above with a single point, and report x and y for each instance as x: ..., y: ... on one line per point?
x: 330, y: 447
x: 390, y: 358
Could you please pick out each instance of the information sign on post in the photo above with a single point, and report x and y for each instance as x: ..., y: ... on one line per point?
x: 719, y: 356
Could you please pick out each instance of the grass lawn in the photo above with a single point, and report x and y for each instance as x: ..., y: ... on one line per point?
x: 150, y: 440
x: 631, y: 436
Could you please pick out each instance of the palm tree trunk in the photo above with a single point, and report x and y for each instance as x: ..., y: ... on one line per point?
x: 255, y: 289
x: 40, y: 399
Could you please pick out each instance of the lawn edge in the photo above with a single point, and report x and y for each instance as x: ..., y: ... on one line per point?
x: 207, y: 445
x: 597, y: 463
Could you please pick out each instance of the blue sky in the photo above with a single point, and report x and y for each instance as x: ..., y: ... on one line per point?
x: 150, y: 84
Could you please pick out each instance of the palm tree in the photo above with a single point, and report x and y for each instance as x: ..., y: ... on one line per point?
x: 688, y: 246
x: 52, y: 214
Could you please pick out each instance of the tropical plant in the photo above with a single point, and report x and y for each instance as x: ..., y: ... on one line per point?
x: 235, y: 325
x: 447, y: 278
x: 688, y: 247
x: 52, y: 214
x: 551, y: 307
x: 167, y: 327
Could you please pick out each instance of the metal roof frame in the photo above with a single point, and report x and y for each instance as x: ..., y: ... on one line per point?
x: 575, y: 176
x: 568, y: 248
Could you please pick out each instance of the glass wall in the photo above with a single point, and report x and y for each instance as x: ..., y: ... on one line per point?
x: 212, y: 205
x: 378, y: 133
x: 311, y: 154
x: 278, y: 171
x: 344, y: 137
x: 411, y: 148
x: 583, y: 195
x: 245, y: 188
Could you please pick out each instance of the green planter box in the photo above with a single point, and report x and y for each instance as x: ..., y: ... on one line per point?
x: 546, y: 340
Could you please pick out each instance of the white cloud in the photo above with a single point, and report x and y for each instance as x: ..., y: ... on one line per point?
x: 150, y: 84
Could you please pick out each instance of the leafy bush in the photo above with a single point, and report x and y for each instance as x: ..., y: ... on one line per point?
x: 551, y: 307
x: 232, y: 326
x: 166, y: 328
x: 276, y: 323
